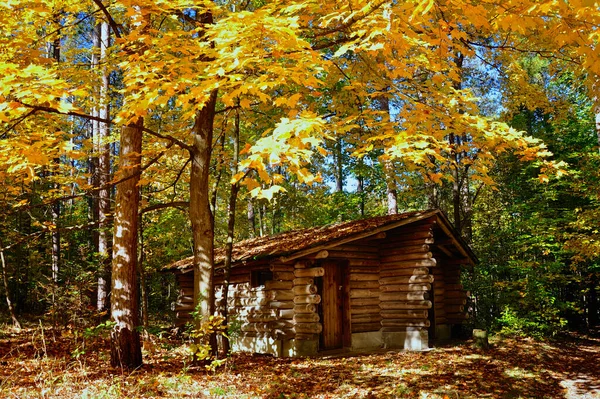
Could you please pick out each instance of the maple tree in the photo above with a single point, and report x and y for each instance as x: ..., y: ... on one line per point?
x: 386, y: 79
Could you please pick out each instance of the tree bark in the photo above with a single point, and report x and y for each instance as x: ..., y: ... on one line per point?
x: 125, y: 338
x: 251, y: 218
x: 200, y: 215
x: 104, y: 244
x: 388, y: 165
x: 339, y: 166
x: 234, y: 189
x: 11, y: 309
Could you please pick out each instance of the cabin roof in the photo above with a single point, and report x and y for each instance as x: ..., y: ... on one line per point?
x: 298, y: 243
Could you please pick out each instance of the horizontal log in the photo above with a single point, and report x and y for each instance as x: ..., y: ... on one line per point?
x: 388, y: 258
x: 417, y: 271
x: 405, y: 280
x: 303, y: 263
x: 408, y: 264
x: 249, y: 293
x: 405, y: 249
x: 310, y: 328
x: 454, y: 309
x: 363, y: 277
x: 405, y: 323
x: 303, y: 281
x: 352, y: 247
x: 184, y: 307
x: 363, y: 270
x: 352, y: 255
x: 307, y: 299
x: 248, y: 301
x: 364, y: 293
x: 286, y: 313
x: 457, y: 287
x: 403, y: 296
x: 305, y: 308
x: 278, y: 285
x: 260, y: 318
x: 281, y: 324
x: 282, y: 295
x: 256, y: 327
x: 281, y: 267
x: 364, y: 309
x: 306, y: 318
x: 406, y: 287
x: 410, y: 236
x: 366, y: 318
x: 365, y: 327
x: 363, y: 262
x: 372, y: 284
x: 283, y: 276
x: 406, y: 305
x: 308, y: 289
x: 403, y: 314
x: 310, y: 272
x: 355, y: 302
x: 407, y: 243
x: 281, y: 304
x: 252, y: 311
x: 323, y: 254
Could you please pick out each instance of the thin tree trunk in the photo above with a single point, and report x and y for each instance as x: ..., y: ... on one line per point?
x: 200, y: 214
x: 234, y: 189
x: 339, y: 166
x: 125, y: 338
x: 11, y: 309
x: 251, y: 218
x: 388, y: 165
x: 360, y: 190
x: 103, y: 172
x: 598, y: 125
x: 55, y: 208
x: 142, y: 273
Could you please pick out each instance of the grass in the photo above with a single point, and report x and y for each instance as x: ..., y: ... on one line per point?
x: 59, y: 365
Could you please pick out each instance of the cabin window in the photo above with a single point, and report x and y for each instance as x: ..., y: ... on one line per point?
x: 260, y: 277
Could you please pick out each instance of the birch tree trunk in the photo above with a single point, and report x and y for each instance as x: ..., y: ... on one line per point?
x: 103, y: 172
x: 125, y: 338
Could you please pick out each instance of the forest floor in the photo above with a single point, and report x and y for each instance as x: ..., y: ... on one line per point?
x: 41, y: 363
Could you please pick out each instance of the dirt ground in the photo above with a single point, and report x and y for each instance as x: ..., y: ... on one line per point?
x: 41, y: 363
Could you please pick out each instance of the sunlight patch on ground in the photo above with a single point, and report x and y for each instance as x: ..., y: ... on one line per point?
x: 517, y: 372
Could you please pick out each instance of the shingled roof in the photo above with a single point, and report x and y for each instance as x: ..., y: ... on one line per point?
x: 305, y: 241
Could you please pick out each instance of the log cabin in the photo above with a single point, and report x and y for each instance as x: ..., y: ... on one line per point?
x: 385, y: 282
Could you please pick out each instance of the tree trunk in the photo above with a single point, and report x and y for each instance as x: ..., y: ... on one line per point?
x: 598, y: 125
x: 11, y: 309
x: 200, y: 215
x: 55, y: 208
x: 235, y: 187
x: 251, y: 218
x: 142, y: 273
x: 339, y: 166
x: 104, y: 244
x: 125, y: 338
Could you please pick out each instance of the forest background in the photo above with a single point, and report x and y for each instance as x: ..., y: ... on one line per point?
x: 134, y: 134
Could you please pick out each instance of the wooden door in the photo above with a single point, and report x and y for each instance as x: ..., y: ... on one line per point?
x: 334, y: 303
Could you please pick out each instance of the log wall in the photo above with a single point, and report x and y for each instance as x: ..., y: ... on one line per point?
x: 405, y: 279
